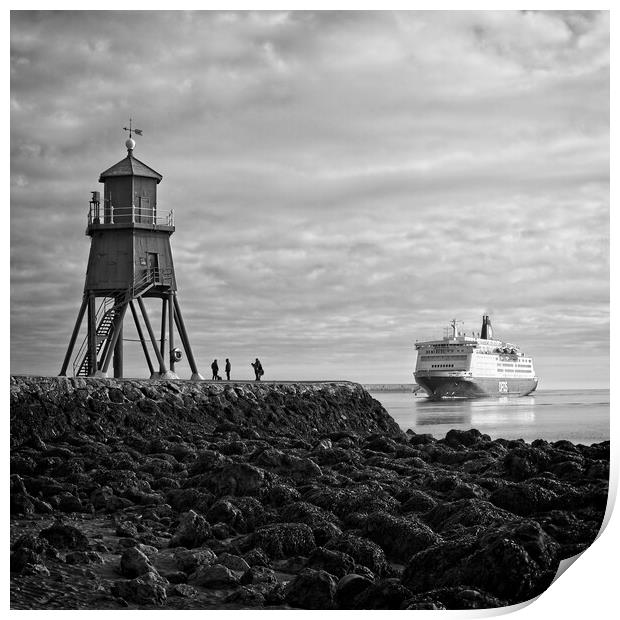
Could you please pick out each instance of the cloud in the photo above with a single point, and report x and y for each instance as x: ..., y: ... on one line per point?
x: 343, y: 182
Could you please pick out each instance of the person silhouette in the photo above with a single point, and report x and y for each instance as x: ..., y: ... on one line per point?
x: 215, y: 369
x: 258, y: 369
x: 227, y: 369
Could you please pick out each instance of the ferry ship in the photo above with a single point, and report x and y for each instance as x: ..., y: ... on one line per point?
x: 460, y: 366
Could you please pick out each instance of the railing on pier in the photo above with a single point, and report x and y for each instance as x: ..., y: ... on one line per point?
x: 109, y: 214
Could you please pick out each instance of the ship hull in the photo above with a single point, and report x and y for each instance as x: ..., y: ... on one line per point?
x: 475, y: 387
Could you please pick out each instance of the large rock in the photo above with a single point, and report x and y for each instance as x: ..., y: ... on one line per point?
x: 523, y: 498
x: 283, y: 540
x: 236, y: 479
x: 363, y: 551
x: 193, y: 530
x: 348, y: 589
x: 148, y: 589
x: 399, y: 537
x: 188, y: 560
x: 417, y: 501
x: 334, y: 562
x: 311, y: 589
x: 385, y: 594
x: 465, y: 439
x: 516, y: 562
x: 135, y: 563
x: 29, y: 550
x: 466, y: 513
x: 214, y: 576
x: 304, y: 512
x: 525, y: 462
x: 295, y: 467
x: 64, y: 536
x: 454, y: 598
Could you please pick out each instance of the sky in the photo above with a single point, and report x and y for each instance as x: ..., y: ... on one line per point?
x: 344, y: 183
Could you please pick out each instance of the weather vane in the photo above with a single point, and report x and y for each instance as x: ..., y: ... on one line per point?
x: 131, y: 129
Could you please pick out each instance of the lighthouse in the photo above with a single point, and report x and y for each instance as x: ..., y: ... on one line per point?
x: 130, y: 260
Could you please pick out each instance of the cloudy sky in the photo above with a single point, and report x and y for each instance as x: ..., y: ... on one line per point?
x: 344, y: 183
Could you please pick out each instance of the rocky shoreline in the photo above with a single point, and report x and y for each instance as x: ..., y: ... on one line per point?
x: 172, y: 495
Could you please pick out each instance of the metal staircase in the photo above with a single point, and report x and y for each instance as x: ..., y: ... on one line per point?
x: 106, y: 317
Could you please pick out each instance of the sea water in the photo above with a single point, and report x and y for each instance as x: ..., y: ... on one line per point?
x: 581, y: 416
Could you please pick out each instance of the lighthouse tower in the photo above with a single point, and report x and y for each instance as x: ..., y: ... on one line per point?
x: 130, y: 260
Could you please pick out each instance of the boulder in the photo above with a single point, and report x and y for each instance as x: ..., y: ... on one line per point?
x: 454, y: 598
x: 214, y: 576
x: 525, y: 461
x: 234, y: 562
x: 304, y: 512
x: 399, y: 537
x: 466, y: 513
x: 348, y: 589
x: 385, y: 594
x: 290, y: 465
x: 515, y: 562
x: 283, y: 540
x: 30, y: 550
x: 148, y: 589
x: 127, y: 529
x: 135, y: 563
x: 523, y: 498
x: 418, y: 501
x: 64, y: 536
x: 465, y: 439
x: 324, y: 532
x: 183, y: 500
x: 236, y: 479
x: 259, y: 574
x: 334, y: 562
x: 188, y: 560
x: 181, y: 589
x: 21, y: 504
x: 283, y: 494
x: 83, y: 557
x: 363, y: 551
x: 192, y: 531
x: 245, y: 597
x: 311, y: 589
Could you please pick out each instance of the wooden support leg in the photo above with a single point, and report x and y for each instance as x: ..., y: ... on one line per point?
x: 171, y: 328
x: 141, y: 336
x: 196, y: 376
x: 74, y: 335
x: 149, y: 328
x: 118, y: 328
x: 164, y: 319
x: 92, y: 336
x: 118, y: 355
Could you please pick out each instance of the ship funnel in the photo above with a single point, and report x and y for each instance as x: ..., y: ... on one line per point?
x: 486, y: 333
x: 483, y: 331
x: 489, y: 329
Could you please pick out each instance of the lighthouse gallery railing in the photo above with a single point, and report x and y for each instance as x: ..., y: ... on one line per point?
x: 109, y: 214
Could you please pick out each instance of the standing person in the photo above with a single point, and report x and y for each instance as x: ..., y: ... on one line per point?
x: 214, y: 369
x: 258, y: 369
x: 227, y: 369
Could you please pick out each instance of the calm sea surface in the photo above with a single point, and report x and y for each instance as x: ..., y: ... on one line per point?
x: 581, y: 416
